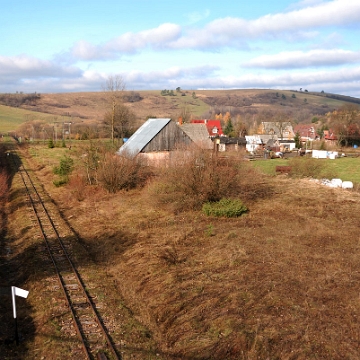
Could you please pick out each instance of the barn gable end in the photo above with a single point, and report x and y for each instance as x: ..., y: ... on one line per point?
x: 169, y: 138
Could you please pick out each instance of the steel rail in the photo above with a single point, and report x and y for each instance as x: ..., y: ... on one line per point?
x: 30, y: 187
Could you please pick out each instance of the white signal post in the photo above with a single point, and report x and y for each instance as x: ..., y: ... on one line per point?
x: 15, y: 291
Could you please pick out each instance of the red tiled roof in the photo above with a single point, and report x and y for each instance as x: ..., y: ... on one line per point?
x: 213, y: 126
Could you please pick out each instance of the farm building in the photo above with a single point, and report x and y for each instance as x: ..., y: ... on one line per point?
x: 232, y: 144
x: 198, y: 133
x: 157, y: 140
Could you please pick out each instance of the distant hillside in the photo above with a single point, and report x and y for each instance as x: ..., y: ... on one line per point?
x: 299, y: 106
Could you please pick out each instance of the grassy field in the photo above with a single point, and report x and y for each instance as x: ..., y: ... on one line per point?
x: 11, y: 118
x: 347, y: 168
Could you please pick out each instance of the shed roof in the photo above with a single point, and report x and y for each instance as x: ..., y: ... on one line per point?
x: 198, y: 133
x: 213, y: 126
x: 142, y: 136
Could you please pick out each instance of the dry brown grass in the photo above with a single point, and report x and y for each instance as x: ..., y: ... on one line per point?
x: 281, y: 282
x: 278, y: 283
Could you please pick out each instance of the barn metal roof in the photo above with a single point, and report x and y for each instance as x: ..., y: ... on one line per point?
x: 142, y: 136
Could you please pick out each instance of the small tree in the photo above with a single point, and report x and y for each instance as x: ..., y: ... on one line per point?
x: 114, y: 88
x: 185, y: 113
x: 229, y: 128
x: 121, y: 121
x: 297, y: 140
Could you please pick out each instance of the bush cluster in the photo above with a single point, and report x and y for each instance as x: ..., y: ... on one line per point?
x: 63, y: 170
x: 197, y: 177
x: 65, y: 167
x: 224, y: 208
x: 119, y: 173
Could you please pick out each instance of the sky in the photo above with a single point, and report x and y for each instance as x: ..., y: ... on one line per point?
x: 76, y: 45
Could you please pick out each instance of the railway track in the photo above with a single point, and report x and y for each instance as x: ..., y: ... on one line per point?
x: 81, y: 319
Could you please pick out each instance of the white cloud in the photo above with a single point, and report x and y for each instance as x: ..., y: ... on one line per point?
x: 300, y: 59
x: 344, y: 12
x: 153, y: 78
x: 343, y: 81
x: 26, y: 66
x: 128, y: 43
x: 236, y: 32
x: 227, y: 32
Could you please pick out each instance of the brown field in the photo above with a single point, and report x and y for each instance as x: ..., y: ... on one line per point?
x: 280, y: 282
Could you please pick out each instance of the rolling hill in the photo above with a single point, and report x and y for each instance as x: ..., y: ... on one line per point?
x: 84, y: 107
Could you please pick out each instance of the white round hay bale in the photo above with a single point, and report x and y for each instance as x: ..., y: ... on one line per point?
x: 347, y: 185
x: 336, y: 182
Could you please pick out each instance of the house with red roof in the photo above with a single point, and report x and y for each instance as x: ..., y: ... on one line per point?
x: 307, y: 132
x: 330, y: 136
x: 213, y: 127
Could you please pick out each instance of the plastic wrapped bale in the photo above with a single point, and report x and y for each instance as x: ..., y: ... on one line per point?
x: 336, y: 183
x: 347, y: 185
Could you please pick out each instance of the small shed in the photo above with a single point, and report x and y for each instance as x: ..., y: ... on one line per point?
x: 232, y: 144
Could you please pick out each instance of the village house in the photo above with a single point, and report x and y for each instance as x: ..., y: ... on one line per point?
x: 329, y: 136
x: 282, y: 129
x: 258, y: 143
x: 307, y: 132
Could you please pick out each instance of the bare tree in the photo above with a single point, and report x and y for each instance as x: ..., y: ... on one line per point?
x: 114, y: 87
x: 185, y: 113
x: 121, y: 119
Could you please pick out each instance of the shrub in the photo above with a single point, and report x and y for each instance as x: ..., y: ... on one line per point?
x: 65, y: 167
x: 63, y: 170
x: 60, y: 182
x: 119, y: 173
x: 224, y: 208
x: 197, y: 177
x: 309, y: 167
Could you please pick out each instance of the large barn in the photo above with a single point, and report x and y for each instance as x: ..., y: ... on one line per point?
x: 157, y: 140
